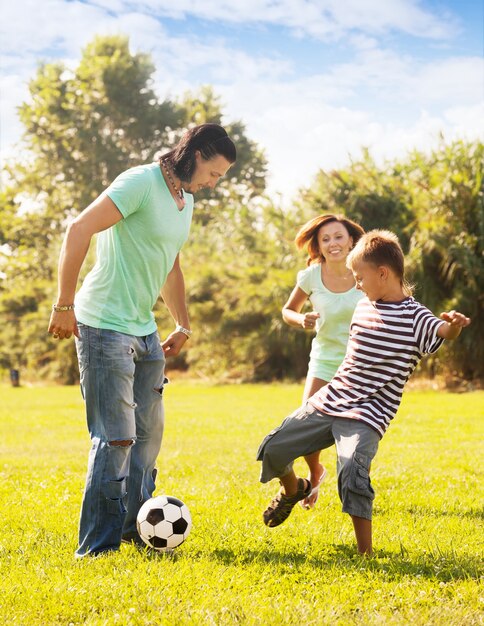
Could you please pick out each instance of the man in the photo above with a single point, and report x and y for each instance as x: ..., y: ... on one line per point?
x: 143, y: 219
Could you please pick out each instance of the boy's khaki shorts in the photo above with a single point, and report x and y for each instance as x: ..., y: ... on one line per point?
x: 308, y: 430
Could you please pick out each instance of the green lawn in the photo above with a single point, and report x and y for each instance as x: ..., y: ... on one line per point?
x: 232, y: 569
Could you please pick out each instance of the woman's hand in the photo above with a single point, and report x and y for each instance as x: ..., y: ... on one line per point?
x: 308, y: 321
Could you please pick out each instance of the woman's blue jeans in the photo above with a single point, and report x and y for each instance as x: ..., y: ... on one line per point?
x: 122, y: 380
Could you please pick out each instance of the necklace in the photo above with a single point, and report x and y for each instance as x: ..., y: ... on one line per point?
x: 347, y: 276
x: 337, y: 277
x: 178, y: 192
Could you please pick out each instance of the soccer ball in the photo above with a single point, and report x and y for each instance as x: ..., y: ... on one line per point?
x: 164, y: 522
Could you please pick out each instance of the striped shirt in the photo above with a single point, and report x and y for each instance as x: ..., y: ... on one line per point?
x: 387, y: 340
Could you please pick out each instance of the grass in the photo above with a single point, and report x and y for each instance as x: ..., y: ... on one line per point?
x: 232, y: 569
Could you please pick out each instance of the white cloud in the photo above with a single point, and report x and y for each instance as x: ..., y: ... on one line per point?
x: 450, y: 80
x: 318, y: 18
x: 68, y: 25
x: 305, y: 124
x: 215, y: 61
x: 53, y: 27
x: 13, y: 92
x: 330, y: 139
x: 378, y: 98
x: 465, y: 122
x: 403, y: 78
x: 407, y: 16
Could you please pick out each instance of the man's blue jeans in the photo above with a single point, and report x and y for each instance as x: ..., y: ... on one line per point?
x: 122, y: 380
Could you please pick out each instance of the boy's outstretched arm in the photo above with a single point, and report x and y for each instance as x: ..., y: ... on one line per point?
x: 455, y: 322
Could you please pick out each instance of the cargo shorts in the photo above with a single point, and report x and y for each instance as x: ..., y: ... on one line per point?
x: 307, y: 430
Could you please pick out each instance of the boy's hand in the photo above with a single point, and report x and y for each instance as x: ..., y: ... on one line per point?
x: 454, y: 318
x: 455, y: 323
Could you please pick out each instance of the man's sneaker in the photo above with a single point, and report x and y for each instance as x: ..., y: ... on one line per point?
x: 134, y: 538
x: 281, y: 506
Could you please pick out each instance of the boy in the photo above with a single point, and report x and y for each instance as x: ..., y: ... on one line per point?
x: 390, y: 332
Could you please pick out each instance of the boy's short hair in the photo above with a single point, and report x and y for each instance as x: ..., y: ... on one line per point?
x: 380, y: 247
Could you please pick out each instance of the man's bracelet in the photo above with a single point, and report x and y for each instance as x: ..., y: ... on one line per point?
x: 65, y: 307
x: 185, y: 331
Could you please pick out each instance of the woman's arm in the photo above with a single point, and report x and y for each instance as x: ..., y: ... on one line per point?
x: 291, y: 311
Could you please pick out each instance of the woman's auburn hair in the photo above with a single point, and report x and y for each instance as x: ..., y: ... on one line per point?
x: 308, y: 234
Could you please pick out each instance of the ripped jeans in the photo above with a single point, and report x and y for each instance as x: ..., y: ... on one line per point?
x: 122, y: 380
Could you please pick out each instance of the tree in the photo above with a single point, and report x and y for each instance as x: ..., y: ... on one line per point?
x: 434, y: 203
x: 82, y: 128
x: 372, y: 196
x: 447, y: 246
x: 238, y: 277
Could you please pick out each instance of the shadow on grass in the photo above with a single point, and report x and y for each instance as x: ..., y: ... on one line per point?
x: 435, y: 565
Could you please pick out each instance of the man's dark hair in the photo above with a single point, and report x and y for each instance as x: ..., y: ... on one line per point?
x: 210, y: 139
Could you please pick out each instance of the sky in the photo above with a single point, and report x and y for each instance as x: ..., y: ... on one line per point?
x: 314, y: 81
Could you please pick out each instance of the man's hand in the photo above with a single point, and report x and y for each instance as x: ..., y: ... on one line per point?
x: 63, y: 325
x: 174, y: 343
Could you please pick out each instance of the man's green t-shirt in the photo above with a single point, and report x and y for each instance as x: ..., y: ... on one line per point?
x: 135, y: 255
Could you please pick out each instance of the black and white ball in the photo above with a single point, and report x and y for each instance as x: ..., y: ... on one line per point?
x: 164, y: 522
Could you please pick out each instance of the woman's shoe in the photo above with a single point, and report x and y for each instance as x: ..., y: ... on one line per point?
x: 310, y: 501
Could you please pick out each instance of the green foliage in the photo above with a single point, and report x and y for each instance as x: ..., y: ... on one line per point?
x: 435, y: 204
x: 82, y: 128
x: 232, y: 569
x: 245, y: 179
x: 236, y: 295
x: 372, y: 196
x: 447, y: 245
x: 86, y: 125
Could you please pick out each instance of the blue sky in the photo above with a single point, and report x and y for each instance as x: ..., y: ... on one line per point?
x: 314, y: 80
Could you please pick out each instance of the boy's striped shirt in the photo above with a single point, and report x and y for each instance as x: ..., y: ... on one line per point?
x: 387, y: 340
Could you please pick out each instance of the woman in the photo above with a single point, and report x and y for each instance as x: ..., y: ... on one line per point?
x: 330, y: 287
x: 143, y: 219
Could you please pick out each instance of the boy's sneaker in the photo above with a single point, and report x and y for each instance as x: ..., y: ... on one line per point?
x: 281, y: 506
